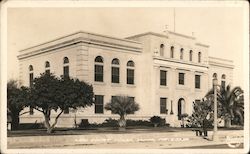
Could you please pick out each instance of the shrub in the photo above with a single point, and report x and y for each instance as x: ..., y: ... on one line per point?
x: 157, y: 121
x: 138, y: 122
x: 24, y: 126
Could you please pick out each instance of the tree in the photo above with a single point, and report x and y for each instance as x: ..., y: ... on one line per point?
x: 50, y: 93
x: 201, y: 111
x: 230, y: 104
x: 122, y: 105
x: 16, y: 101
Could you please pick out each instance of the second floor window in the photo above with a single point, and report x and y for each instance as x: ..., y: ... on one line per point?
x: 181, y: 53
x: 223, y: 81
x: 115, y: 71
x: 199, y: 57
x: 99, y: 69
x: 163, y: 78
x: 66, y: 67
x: 190, y: 55
x: 47, y: 67
x: 172, y: 52
x: 162, y: 50
x: 181, y: 78
x: 130, y: 72
x: 31, y: 75
x: 197, y: 81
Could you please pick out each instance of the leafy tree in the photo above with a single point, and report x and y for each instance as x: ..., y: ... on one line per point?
x: 230, y: 104
x: 122, y: 105
x: 16, y: 101
x: 201, y: 111
x: 50, y: 93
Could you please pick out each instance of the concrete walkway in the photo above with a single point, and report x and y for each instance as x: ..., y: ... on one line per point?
x: 132, y: 140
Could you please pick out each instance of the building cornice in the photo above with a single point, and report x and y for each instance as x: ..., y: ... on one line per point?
x: 82, y: 37
x: 182, y: 35
x: 213, y: 61
x: 147, y: 33
x: 180, y: 62
x: 203, y: 45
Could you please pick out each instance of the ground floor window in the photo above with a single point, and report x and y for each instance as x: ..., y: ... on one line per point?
x: 163, y: 105
x: 31, y: 111
x: 66, y: 111
x: 98, y: 103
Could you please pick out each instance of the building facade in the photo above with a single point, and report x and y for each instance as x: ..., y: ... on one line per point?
x: 163, y: 73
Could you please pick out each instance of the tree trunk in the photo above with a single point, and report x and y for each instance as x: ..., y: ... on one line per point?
x: 122, y: 121
x: 15, y: 121
x: 47, y: 123
x: 228, y: 122
x: 50, y: 128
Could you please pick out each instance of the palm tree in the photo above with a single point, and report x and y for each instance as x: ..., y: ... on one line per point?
x: 122, y: 105
x: 231, y: 103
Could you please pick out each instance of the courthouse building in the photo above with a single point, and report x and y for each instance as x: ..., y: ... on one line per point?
x: 164, y: 73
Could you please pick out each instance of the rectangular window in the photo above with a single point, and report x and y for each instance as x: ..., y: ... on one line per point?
x: 99, y: 73
x: 47, y: 71
x: 163, y: 78
x: 130, y: 76
x: 223, y: 84
x: 31, y: 111
x: 163, y: 105
x: 99, y: 103
x: 31, y: 79
x: 66, y: 71
x: 197, y: 81
x: 181, y: 78
x: 66, y: 111
x: 115, y: 75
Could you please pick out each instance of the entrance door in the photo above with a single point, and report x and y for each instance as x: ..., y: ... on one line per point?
x: 181, y: 107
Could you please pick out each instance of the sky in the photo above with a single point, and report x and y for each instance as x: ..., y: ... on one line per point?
x: 219, y: 27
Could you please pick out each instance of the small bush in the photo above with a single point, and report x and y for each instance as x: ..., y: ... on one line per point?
x: 138, y: 123
x: 157, y: 121
x: 24, y: 126
x: 84, y: 123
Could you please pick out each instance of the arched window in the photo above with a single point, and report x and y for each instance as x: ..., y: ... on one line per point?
x: 31, y: 79
x: 190, y: 55
x: 30, y: 68
x: 47, y: 67
x: 223, y: 81
x: 115, y: 71
x: 130, y: 72
x: 181, y: 108
x: 215, y: 76
x: 115, y: 61
x: 99, y: 69
x: 172, y: 52
x: 66, y: 67
x: 181, y: 53
x: 99, y: 59
x: 162, y: 50
x: 199, y: 57
x: 65, y: 60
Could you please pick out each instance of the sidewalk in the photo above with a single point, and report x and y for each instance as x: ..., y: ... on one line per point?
x: 132, y: 140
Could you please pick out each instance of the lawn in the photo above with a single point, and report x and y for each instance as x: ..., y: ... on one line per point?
x: 102, y: 130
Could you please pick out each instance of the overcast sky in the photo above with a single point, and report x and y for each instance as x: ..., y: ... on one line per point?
x: 221, y: 28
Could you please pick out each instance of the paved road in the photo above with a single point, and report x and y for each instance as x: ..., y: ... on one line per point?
x: 194, y: 144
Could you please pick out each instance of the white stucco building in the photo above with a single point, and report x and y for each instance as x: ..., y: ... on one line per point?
x: 164, y: 73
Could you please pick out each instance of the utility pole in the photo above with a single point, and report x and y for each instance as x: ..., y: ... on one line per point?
x: 215, y: 84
